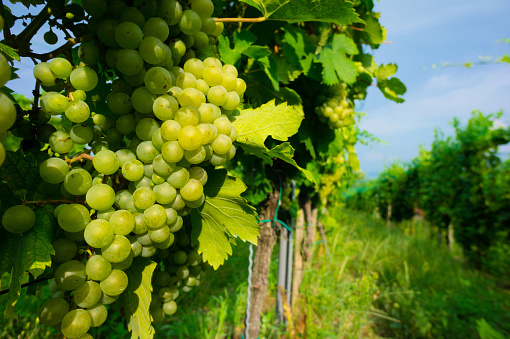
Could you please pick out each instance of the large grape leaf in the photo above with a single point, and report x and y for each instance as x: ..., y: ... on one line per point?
x: 391, y: 88
x: 242, y: 42
x: 29, y: 251
x: 223, y: 216
x: 340, y: 12
x: 20, y: 171
x: 280, y: 122
x: 336, y: 65
x: 139, y: 298
x: 297, y: 47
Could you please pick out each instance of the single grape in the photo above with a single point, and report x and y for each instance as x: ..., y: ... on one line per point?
x: 98, y: 268
x: 78, y: 181
x: 190, y: 137
x: 117, y: 251
x: 84, y: 78
x: 106, y: 162
x: 65, y: 250
x: 123, y: 222
x: 146, y: 128
x: 87, y: 295
x: 100, y: 197
x: 164, y: 107
x: 172, y: 152
x: 128, y: 35
x: 81, y: 134
x: 187, y: 115
x: 133, y: 170
x: 146, y: 151
x: 7, y: 113
x: 142, y: 99
x: 152, y: 50
x: 170, y: 11
x: 73, y: 217
x: 115, y: 283
x: 53, y: 311
x: 76, y: 323
x: 61, y: 142
x: 43, y: 74
x: 217, y: 95
x: 190, y: 22
x: 99, y: 233
x: 98, y: 313
x: 155, y: 216
x: 143, y: 198
x: 18, y: 219
x: 70, y: 275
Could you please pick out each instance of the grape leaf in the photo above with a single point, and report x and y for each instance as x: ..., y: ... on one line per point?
x: 242, y: 41
x: 20, y: 171
x: 392, y: 88
x: 10, y: 52
x: 29, y: 251
x: 340, y: 12
x: 383, y: 72
x: 297, y: 47
x: 139, y: 298
x: 224, y: 215
x: 336, y: 65
x: 285, y: 71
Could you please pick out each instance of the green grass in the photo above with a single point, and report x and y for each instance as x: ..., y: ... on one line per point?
x: 375, y: 281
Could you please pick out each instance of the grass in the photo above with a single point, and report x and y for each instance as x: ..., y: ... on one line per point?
x: 375, y: 281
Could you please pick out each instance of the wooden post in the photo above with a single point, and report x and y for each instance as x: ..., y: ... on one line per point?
x: 259, y: 280
x: 298, y: 257
x: 311, y: 229
x: 450, y: 236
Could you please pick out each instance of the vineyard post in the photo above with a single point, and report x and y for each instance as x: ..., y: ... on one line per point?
x: 298, y: 256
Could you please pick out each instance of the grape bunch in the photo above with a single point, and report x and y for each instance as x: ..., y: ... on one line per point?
x: 128, y: 175
x: 7, y: 109
x: 337, y: 111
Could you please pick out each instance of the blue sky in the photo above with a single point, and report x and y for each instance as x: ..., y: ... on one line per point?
x: 424, y: 33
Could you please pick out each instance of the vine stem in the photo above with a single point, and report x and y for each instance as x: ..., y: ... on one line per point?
x: 26, y: 284
x: 7, y: 29
x: 261, y: 19
x: 49, y: 201
x: 80, y: 157
x: 50, y: 55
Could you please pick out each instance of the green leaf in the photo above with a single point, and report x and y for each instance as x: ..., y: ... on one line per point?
x: 385, y: 71
x: 271, y: 73
x: 336, y: 11
x: 336, y: 65
x: 285, y: 152
x: 20, y: 171
x: 29, y: 251
x: 374, y: 29
x: 392, y: 88
x: 285, y: 71
x: 297, y: 48
x: 225, y: 214
x: 505, y: 58
x: 242, y: 41
x: 139, y: 298
x: 10, y: 52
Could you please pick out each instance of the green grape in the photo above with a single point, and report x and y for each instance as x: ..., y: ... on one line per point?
x: 87, y: 295
x: 148, y: 251
x: 164, y: 107
x: 136, y: 247
x: 209, y: 133
x: 160, y: 235
x: 146, y: 151
x: 157, y: 139
x: 223, y: 125
x: 117, y: 251
x: 191, y: 97
x: 95, y: 8
x: 186, y: 80
x: 182, y: 272
x: 211, y: 61
x: 50, y: 37
x: 123, y: 222
x: 194, y: 258
x: 106, y: 162
x: 84, y: 78
x: 218, y: 159
x: 126, y: 124
x: 143, y: 198
x: 143, y: 100
x: 43, y: 132
x: 164, y: 193
x: 172, y: 152
x: 158, y: 80
x: 75, y: 236
x: 198, y: 173
x: 209, y: 113
x: 180, y: 257
x: 78, y: 111
x: 230, y: 69
x: 18, y: 219
x: 88, y: 54
x: 133, y: 170
x: 231, y: 154
x: 70, y: 275
x: 179, y: 177
x: 65, y: 250
x: 196, y: 156
x: 162, y: 167
x: 43, y: 74
x: 155, y: 216
x: 53, y: 311
x: 144, y: 239
x: 7, y: 113
x: 115, y: 8
x: 115, y: 283
x: 177, y: 225
x: 129, y: 61
x: 194, y: 66
x: 120, y: 103
x: 165, y: 244
x: 202, y: 86
x: 233, y: 134
x: 160, y: 279
x: 128, y: 35
x: 170, y: 307
x: 78, y: 181
x: 108, y: 299
x: 76, y: 323
x: 222, y: 144
x: 204, y: 8
x: 111, y: 57
x: 156, y: 27
x: 145, y: 128
x: 119, y: 85
x: 61, y: 68
x: 208, y: 26
x: 124, y: 264
x: 133, y: 14
x: 106, y: 32
x: 98, y: 268
x: 240, y: 86
x: 192, y: 191
x: 100, y: 197
x: 190, y: 137
x: 170, y: 130
x: 137, y: 79
x: 105, y: 214
x: 190, y: 23
x: 178, y: 203
x: 81, y: 135
x: 170, y: 11
x: 122, y: 198
x: 217, y: 95
x: 152, y: 50
x: 143, y: 182
x: 187, y: 115
x: 229, y: 81
x: 73, y: 217
x: 99, y: 233
x: 61, y: 142
x: 232, y: 102
x: 54, y: 103
x: 98, y: 313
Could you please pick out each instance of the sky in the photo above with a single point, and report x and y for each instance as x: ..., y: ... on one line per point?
x: 422, y: 34
x: 427, y: 33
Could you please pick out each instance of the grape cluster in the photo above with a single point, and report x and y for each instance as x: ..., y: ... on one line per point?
x: 337, y: 111
x: 166, y: 124
x: 7, y: 109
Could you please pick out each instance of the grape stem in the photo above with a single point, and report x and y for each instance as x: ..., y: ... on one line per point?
x: 22, y: 41
x: 261, y: 19
x: 67, y: 46
x: 50, y: 201
x: 80, y: 157
x: 7, y: 29
x: 27, y: 284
